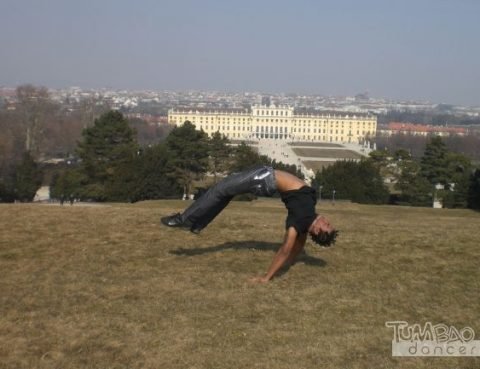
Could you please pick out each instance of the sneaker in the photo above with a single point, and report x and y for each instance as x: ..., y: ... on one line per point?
x: 174, y: 220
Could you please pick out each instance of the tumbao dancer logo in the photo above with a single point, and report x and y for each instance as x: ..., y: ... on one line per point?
x: 415, y: 340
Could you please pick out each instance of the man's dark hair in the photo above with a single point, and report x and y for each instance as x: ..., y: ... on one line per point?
x: 325, y: 239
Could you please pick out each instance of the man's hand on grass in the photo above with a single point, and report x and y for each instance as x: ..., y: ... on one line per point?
x: 261, y: 279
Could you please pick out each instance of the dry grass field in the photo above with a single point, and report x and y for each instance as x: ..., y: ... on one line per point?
x: 109, y: 287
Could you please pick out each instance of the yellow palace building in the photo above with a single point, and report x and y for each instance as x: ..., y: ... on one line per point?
x: 279, y: 122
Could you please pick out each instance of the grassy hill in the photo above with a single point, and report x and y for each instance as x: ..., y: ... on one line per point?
x: 108, y: 287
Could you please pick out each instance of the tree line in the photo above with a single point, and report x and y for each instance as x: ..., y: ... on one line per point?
x: 468, y: 145
x: 439, y: 174
x: 111, y: 165
x: 36, y: 128
x: 115, y: 159
x: 439, y: 116
x: 114, y: 167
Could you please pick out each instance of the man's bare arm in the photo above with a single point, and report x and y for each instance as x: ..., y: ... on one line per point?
x: 297, y: 248
x: 282, y: 255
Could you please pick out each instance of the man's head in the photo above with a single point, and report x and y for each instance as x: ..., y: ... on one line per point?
x: 322, y: 232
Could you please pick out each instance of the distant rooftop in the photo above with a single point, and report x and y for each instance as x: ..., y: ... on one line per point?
x: 316, y: 112
x: 297, y: 111
x: 211, y: 110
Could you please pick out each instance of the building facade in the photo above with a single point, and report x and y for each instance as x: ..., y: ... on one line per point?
x: 279, y: 122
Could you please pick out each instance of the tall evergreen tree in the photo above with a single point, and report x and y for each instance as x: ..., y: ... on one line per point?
x: 474, y: 191
x: 28, y: 179
x: 219, y: 153
x: 152, y: 180
x: 108, y: 150
x: 67, y: 185
x: 245, y: 157
x: 189, y: 149
x: 416, y: 189
x: 6, y: 192
x: 385, y: 162
x: 459, y: 170
x: 357, y: 181
x: 374, y: 189
x: 433, y: 165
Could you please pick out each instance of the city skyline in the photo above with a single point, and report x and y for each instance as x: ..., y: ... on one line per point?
x: 415, y: 50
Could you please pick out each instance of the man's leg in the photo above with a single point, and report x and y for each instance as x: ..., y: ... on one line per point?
x: 257, y: 180
x: 201, y: 211
x: 208, y: 206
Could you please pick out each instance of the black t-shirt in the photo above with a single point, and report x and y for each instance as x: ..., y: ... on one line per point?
x: 301, y: 208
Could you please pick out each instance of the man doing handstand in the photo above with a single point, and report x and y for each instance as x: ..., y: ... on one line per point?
x: 298, y: 198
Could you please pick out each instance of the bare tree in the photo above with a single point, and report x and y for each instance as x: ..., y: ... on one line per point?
x: 33, y: 107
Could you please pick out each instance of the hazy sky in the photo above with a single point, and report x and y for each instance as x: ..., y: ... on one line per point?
x: 418, y: 49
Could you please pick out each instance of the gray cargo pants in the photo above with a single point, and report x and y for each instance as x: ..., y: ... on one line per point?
x: 259, y: 181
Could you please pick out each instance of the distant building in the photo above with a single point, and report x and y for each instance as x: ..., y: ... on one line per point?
x: 279, y: 122
x: 421, y: 129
